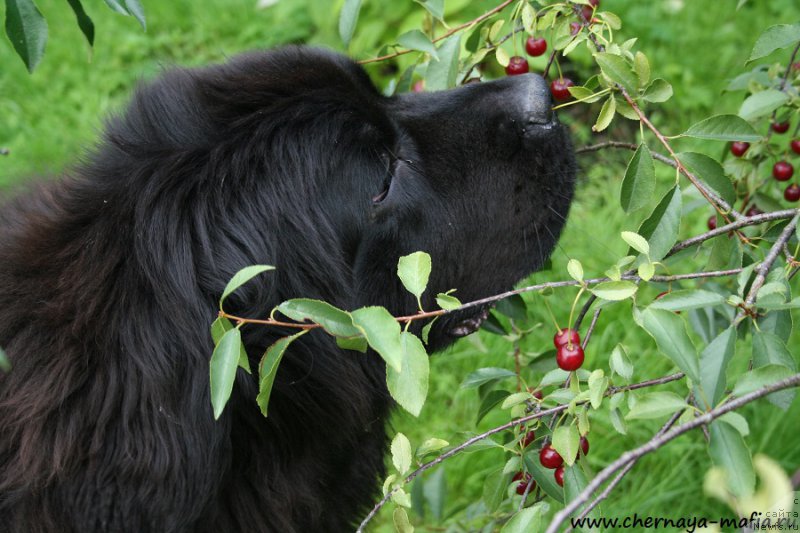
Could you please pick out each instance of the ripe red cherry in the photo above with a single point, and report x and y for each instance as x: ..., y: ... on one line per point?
x: 550, y: 458
x: 535, y: 47
x: 795, y: 146
x: 569, y: 357
x: 792, y: 193
x: 523, y: 486
x: 585, y: 445
x: 538, y: 394
x: 528, y: 438
x: 566, y: 336
x: 587, y: 12
x: 519, y: 476
x: 782, y: 171
x: 753, y: 211
x: 739, y: 148
x: 560, y: 88
x: 712, y: 222
x: 780, y: 127
x: 559, y: 475
x: 517, y: 65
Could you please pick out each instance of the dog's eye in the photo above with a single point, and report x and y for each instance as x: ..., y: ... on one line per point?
x: 389, y: 163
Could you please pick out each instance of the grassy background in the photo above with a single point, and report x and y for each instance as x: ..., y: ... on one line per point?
x: 46, y: 118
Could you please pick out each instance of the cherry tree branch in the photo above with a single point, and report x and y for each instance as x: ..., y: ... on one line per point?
x: 660, y: 440
x: 521, y: 420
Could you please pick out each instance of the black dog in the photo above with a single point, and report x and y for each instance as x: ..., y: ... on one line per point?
x: 110, y: 278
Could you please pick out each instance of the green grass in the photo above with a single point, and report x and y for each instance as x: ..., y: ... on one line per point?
x: 46, y: 118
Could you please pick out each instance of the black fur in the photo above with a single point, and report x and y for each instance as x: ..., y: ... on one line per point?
x: 109, y: 279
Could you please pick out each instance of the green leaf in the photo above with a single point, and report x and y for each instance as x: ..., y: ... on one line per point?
x: 723, y: 128
x: 566, y: 441
x: 762, y: 104
x: 5, y: 364
x: 218, y: 328
x: 728, y: 450
x: 646, y: 270
x: 489, y: 402
x: 382, y: 333
x: 332, y: 319
x: 617, y: 70
x: 222, y: 369
x: 658, y: 91
x: 770, y: 349
x: 409, y: 387
x: 639, y: 181
x: 620, y: 363
x: 356, y: 344
x: 543, y: 476
x: 614, y: 290
x: 268, y: 369
x: 84, y: 22
x: 513, y: 307
x: 502, y: 57
x: 242, y: 277
x: 128, y: 8
x: 27, y: 31
x: 618, y: 421
x: 401, y: 521
x: 775, y: 38
x: 434, y: 7
x: 528, y: 18
x: 447, y: 301
x: 435, y: 491
x: 414, y: 270
x: 527, y: 520
x: 661, y: 227
x: 416, y: 40
x: 429, y: 446
x: 636, y: 241
x: 348, y: 18
x: 710, y: 172
x: 669, y: 332
x: 737, y: 421
x: 494, y: 489
x: 584, y: 94
x: 575, y: 482
x: 607, y: 112
x: 515, y: 399
x: 656, y: 405
x: 442, y: 73
x: 575, y: 269
x: 761, y: 377
x: 714, y: 361
x: 642, y: 68
x: 401, y: 453
x: 685, y: 299
x: 598, y: 384
x: 485, y: 375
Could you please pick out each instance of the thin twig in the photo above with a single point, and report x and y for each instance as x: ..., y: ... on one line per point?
x: 660, y: 440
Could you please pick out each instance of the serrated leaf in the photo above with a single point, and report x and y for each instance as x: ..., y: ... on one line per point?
x: 606, y: 115
x: 527, y: 520
x: 620, y: 363
x: 401, y: 522
x: 129, y: 8
x: 646, y: 270
x: 639, y: 181
x: 710, y: 172
x: 656, y: 405
x: 636, y: 241
x: 728, y: 450
x: 598, y: 384
x: 442, y: 73
x: 348, y: 18
x: 414, y: 270
x: 614, y: 290
x: 502, y: 57
x: 332, y: 319
x: 515, y: 399
x: 409, y: 387
x: 762, y: 104
x: 268, y: 369
x: 429, y: 446
x: 494, y: 30
x: 543, y: 476
x: 661, y: 227
x: 669, y: 332
x: 416, y: 40
x: 723, y: 128
x: 447, y: 302
x: 382, y: 333
x: 685, y: 299
x: 528, y: 18
x: 401, y: 497
x: 714, y: 361
x: 617, y: 70
x: 642, y: 68
x: 222, y: 369
x: 242, y: 277
x: 401, y: 453
x: 27, y: 30
x: 513, y: 307
x: 775, y: 38
x: 566, y: 441
x: 737, y: 421
x: 85, y: 23
x: 575, y: 269
x: 658, y: 91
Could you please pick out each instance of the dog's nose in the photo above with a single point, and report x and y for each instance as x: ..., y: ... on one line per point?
x: 528, y: 104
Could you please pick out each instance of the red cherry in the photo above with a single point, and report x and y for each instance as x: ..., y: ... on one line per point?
x: 569, y: 357
x: 419, y: 86
x: 575, y: 28
x: 753, y: 211
x: 584, y: 445
x: 566, y: 336
x: 523, y: 486
x: 550, y: 458
x: 538, y: 394
x: 535, y: 47
x: 782, y: 171
x: 795, y: 146
x: 587, y: 12
x: 560, y: 88
x: 780, y: 127
x: 517, y: 65
x: 792, y: 193
x: 739, y: 148
x: 521, y: 476
x: 559, y: 475
x: 528, y: 438
x: 711, y: 223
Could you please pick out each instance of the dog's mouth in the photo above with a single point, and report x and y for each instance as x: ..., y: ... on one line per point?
x: 469, y: 325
